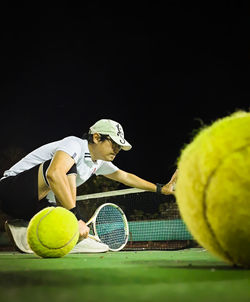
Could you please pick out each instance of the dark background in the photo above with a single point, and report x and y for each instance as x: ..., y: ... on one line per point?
x: 160, y: 69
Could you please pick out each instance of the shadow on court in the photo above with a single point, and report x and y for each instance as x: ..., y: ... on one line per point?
x: 147, y: 273
x: 194, y: 264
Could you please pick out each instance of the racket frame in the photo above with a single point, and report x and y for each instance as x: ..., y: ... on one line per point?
x: 93, y: 221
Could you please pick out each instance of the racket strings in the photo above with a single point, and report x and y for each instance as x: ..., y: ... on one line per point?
x: 110, y: 227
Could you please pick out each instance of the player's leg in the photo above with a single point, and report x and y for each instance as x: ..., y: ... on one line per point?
x: 19, y: 195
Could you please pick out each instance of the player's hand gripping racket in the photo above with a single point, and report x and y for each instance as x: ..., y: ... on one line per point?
x: 110, y: 226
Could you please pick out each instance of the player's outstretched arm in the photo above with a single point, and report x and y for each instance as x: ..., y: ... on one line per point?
x: 134, y: 181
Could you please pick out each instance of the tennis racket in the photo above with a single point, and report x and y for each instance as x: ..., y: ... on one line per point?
x: 110, y: 226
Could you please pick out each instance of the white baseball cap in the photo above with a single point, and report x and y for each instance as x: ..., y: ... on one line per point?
x: 113, y: 129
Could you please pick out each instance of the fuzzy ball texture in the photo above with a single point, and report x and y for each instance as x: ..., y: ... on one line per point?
x: 53, y: 232
x: 213, y: 188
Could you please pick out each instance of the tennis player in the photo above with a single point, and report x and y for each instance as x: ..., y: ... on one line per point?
x: 54, y: 171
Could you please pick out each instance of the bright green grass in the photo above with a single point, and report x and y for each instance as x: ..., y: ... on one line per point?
x: 187, y: 275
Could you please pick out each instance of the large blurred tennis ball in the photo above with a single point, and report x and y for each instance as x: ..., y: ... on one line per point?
x: 213, y: 188
x: 53, y: 232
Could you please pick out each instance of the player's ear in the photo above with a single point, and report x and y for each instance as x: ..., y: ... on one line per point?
x: 96, y: 138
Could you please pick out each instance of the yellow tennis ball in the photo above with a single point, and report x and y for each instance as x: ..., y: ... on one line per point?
x: 213, y: 188
x: 53, y: 232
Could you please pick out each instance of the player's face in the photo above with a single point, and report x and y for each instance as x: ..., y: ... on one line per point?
x: 106, y: 149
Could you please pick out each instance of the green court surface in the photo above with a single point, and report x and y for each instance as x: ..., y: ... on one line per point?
x: 186, y: 275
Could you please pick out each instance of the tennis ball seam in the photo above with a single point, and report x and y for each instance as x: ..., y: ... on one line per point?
x: 204, y: 202
x: 44, y: 245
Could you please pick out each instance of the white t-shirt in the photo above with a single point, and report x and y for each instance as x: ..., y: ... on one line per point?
x: 76, y: 148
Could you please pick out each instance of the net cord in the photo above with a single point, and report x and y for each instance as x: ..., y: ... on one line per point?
x: 109, y: 193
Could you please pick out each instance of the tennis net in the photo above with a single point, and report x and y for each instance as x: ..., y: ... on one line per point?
x: 154, y: 220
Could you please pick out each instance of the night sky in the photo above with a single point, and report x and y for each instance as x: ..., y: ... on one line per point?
x: 161, y: 70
